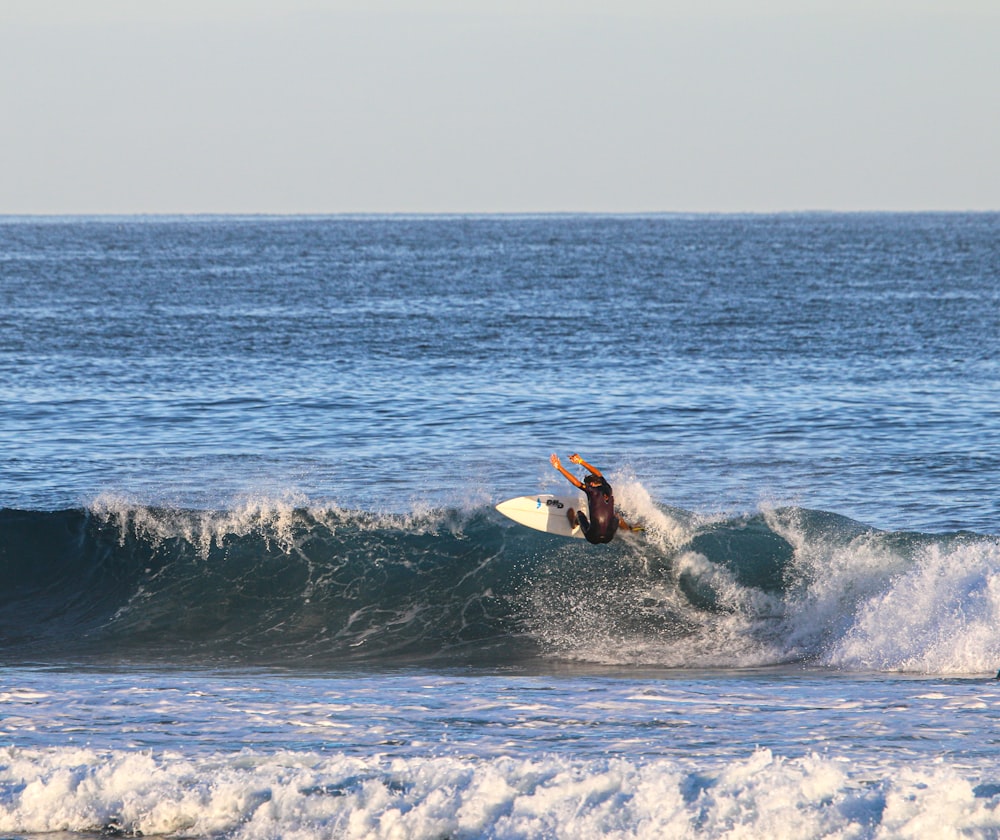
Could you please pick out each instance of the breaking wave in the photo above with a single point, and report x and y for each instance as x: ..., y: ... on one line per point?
x: 302, y: 585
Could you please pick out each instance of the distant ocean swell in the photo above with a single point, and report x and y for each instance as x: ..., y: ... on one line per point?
x: 300, y: 585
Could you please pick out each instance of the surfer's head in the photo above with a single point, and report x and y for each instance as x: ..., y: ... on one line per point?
x: 594, y: 480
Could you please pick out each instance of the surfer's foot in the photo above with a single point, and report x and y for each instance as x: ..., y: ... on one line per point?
x: 571, y: 516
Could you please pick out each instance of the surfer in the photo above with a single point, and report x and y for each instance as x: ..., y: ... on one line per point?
x: 604, y: 521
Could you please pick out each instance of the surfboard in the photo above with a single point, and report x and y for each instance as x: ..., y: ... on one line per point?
x: 544, y: 512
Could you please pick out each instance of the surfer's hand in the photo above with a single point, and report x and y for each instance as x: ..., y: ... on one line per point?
x: 576, y: 459
x: 555, y: 461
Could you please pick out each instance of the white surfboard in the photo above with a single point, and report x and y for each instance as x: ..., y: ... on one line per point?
x: 544, y: 512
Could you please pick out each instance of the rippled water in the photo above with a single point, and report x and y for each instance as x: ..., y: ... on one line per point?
x: 252, y: 583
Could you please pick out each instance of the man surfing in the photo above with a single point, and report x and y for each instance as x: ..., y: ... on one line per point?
x: 604, y: 521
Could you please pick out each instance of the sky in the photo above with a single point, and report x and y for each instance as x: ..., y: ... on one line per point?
x: 497, y: 106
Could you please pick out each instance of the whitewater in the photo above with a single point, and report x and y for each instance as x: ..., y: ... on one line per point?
x: 253, y: 585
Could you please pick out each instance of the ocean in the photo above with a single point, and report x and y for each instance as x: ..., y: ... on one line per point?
x: 253, y: 584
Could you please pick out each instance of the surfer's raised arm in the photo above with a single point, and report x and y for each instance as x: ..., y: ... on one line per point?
x: 576, y: 459
x: 572, y: 479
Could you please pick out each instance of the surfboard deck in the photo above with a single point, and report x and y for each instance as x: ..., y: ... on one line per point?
x: 544, y: 512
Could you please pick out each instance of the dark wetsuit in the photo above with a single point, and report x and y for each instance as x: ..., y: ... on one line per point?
x: 603, y: 522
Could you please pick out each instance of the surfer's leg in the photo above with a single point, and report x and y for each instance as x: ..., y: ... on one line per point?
x: 626, y: 527
x: 571, y: 516
x: 581, y: 519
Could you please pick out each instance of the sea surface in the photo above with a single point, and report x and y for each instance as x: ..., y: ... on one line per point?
x: 253, y: 584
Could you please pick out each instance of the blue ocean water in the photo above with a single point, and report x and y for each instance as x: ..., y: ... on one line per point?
x: 252, y: 583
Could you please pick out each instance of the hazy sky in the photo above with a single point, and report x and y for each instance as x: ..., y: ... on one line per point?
x: 305, y: 106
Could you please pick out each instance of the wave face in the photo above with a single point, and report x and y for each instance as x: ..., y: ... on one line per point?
x: 280, y: 583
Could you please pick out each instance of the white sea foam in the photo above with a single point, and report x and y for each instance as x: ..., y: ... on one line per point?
x: 280, y: 519
x: 306, y: 795
x: 940, y: 615
x: 891, y: 602
x: 851, y: 598
x: 273, y: 516
x: 665, y: 528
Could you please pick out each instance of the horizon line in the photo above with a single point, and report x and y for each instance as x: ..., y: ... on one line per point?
x: 356, y: 214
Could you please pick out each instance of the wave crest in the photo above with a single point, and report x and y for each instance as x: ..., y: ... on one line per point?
x: 289, y: 582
